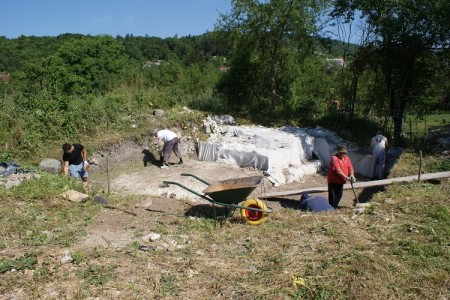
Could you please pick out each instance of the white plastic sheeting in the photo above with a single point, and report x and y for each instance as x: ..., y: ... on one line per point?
x: 284, y: 154
x: 281, y: 155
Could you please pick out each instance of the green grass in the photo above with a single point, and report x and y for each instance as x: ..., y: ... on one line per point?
x: 416, y: 127
x: 34, y: 212
x: 422, y: 124
x: 394, y: 250
x: 335, y: 257
x: 97, y: 275
x: 28, y: 261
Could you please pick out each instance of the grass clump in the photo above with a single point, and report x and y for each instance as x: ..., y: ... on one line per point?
x: 27, y: 261
x: 97, y: 275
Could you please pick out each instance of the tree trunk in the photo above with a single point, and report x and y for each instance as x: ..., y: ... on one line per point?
x: 396, y: 106
x: 397, y: 118
x: 273, y: 91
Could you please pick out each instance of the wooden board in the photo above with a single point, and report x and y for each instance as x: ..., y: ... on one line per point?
x: 321, y: 189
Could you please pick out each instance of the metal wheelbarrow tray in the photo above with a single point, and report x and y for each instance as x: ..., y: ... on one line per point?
x: 229, y: 193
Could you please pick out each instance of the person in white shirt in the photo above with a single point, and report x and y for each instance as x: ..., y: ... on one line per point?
x: 378, y: 144
x: 170, y: 142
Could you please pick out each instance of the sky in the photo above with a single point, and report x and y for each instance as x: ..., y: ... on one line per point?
x: 157, y: 18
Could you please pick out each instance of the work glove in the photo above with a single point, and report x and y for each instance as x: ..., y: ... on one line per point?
x: 352, y: 179
x: 85, y: 165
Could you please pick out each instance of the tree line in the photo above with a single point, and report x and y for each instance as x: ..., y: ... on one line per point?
x: 267, y: 61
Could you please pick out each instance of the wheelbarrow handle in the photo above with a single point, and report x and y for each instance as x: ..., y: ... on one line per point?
x: 188, y: 189
x: 196, y: 177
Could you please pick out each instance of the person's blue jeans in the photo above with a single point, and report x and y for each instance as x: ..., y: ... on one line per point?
x: 77, y: 171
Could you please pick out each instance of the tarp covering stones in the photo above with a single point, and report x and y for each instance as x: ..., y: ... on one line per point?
x: 285, y: 154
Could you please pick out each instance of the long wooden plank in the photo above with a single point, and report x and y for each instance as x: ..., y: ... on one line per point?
x: 321, y: 189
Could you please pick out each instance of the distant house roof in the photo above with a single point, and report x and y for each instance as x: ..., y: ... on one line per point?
x: 149, y: 63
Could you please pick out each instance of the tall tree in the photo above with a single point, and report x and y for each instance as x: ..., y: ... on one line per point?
x: 405, y: 36
x: 265, y: 34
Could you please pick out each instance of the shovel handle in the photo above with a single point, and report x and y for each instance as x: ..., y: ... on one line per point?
x: 354, y: 193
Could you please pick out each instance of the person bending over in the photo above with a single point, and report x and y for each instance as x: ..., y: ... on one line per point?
x: 314, y: 204
x: 170, y: 142
x: 378, y: 144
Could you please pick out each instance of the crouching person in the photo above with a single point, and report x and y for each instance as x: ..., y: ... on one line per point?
x: 314, y: 204
x: 75, y: 161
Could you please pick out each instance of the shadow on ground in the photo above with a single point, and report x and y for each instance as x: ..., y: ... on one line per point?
x: 284, y: 202
x: 367, y: 193
x: 207, y: 211
x: 150, y: 158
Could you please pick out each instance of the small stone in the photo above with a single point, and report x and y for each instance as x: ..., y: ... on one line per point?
x: 66, y: 258
x: 389, y: 201
x: 171, y: 248
x: 413, y: 229
x: 152, y: 236
x: 360, y: 210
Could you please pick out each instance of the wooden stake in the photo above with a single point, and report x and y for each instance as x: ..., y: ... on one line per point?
x: 420, y: 166
x: 107, y: 172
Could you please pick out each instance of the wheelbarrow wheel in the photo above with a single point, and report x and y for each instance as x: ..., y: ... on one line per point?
x: 254, y: 217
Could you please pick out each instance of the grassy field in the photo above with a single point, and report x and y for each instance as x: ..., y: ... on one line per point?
x: 416, y: 127
x: 396, y: 249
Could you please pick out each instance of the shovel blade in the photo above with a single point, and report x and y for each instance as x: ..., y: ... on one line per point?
x: 100, y: 199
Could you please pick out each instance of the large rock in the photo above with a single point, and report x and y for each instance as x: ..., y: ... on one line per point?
x: 74, y: 196
x: 51, y: 165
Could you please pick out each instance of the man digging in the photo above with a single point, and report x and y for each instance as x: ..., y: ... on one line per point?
x: 170, y: 142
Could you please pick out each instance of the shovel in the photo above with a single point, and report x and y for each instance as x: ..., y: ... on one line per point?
x: 354, y: 193
x: 99, y: 199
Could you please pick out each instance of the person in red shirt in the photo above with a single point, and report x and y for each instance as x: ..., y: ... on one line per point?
x: 340, y: 170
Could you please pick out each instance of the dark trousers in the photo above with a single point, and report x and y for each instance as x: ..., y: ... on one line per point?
x: 335, y: 191
x: 170, y: 146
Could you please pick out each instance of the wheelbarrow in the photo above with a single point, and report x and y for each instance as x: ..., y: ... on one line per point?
x: 229, y: 193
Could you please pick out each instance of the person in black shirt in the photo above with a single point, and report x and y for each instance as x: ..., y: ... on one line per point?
x: 75, y: 162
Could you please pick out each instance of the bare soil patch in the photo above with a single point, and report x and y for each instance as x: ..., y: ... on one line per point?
x: 133, y: 171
